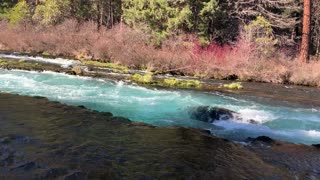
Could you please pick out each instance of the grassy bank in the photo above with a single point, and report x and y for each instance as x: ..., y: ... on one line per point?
x: 182, y: 55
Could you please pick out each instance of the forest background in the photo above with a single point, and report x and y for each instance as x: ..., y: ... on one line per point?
x: 247, y: 40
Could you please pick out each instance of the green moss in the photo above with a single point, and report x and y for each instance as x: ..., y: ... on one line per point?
x: 107, y: 65
x: 173, y: 82
x: 45, y: 53
x: 3, y: 62
x: 21, y: 64
x: 145, y: 79
x: 197, y: 75
x: 233, y: 86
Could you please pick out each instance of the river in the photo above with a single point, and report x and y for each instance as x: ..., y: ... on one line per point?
x: 297, y: 124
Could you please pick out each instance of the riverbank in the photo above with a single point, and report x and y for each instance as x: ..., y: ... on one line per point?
x: 43, y: 139
x: 182, y: 56
x: 299, y: 95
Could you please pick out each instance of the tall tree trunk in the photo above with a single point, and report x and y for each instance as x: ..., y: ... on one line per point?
x: 305, y: 44
x: 318, y: 48
x: 101, y: 15
x: 111, y: 14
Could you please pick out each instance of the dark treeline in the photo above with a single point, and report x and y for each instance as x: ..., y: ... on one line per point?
x: 268, y: 22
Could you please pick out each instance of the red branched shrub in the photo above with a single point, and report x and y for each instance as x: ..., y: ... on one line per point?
x: 184, y: 53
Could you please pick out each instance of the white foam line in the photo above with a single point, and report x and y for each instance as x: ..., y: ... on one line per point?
x: 59, y: 61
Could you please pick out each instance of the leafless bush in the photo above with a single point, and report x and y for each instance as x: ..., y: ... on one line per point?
x: 129, y: 47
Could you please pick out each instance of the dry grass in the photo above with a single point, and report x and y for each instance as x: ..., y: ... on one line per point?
x: 122, y: 45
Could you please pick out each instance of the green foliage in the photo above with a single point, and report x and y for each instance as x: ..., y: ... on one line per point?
x: 208, y: 20
x: 261, y: 32
x: 107, y: 65
x: 160, y: 18
x: 5, y: 7
x: 83, y: 10
x: 18, y: 14
x: 233, y: 86
x: 260, y: 26
x: 50, y: 11
x: 173, y: 82
x: 145, y: 79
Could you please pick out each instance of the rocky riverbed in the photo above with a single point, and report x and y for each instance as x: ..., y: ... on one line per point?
x: 40, y: 139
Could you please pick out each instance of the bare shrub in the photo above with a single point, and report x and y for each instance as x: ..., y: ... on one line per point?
x: 123, y: 45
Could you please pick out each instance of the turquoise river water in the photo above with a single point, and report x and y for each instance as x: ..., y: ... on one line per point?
x: 168, y: 107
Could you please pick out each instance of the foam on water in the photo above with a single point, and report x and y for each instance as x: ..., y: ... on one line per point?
x: 167, y: 108
x: 59, y: 61
x: 259, y: 116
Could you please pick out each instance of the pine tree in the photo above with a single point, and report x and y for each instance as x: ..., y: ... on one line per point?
x: 305, y: 44
x: 159, y: 17
x: 50, y: 12
x: 20, y: 13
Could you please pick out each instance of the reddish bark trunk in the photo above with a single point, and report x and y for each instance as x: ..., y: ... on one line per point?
x: 305, y: 44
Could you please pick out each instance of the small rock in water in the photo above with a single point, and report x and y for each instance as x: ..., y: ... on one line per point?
x: 253, y: 121
x: 77, y: 70
x: 26, y: 167
x: 54, y: 173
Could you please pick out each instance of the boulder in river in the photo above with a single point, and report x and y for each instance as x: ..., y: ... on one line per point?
x: 211, y: 114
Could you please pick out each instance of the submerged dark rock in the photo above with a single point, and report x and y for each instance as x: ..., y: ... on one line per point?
x: 26, y: 167
x: 261, y: 139
x: 54, y: 173
x: 316, y: 145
